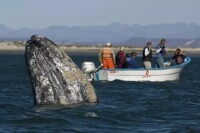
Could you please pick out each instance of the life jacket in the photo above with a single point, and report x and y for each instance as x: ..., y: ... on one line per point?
x: 162, y: 51
x: 106, y: 53
x: 148, y: 57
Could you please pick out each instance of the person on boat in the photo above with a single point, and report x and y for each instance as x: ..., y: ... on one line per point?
x: 147, y: 55
x: 178, y: 57
x: 160, y: 53
x: 120, y: 58
x: 107, y: 57
x: 128, y: 57
x: 131, y: 62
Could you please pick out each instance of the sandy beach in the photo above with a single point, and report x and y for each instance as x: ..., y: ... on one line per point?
x: 19, y: 46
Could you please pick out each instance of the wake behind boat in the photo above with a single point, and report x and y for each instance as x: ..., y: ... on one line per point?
x: 134, y: 74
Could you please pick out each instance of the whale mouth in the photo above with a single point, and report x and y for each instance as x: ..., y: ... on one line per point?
x: 55, y: 78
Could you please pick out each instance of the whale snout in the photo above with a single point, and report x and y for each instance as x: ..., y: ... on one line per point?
x: 55, y: 78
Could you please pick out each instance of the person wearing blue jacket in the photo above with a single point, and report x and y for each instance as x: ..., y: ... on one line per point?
x: 160, y: 53
x: 132, y: 62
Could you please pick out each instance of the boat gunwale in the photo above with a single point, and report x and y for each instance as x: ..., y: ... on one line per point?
x: 165, y: 68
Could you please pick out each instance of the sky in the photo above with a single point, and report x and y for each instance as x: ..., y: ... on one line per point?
x: 37, y: 14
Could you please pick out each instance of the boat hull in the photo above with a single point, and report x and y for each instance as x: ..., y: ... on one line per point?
x: 141, y: 74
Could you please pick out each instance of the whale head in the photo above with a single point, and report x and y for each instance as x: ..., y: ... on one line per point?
x: 55, y: 78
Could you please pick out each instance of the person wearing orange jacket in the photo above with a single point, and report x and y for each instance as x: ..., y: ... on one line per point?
x: 107, y: 57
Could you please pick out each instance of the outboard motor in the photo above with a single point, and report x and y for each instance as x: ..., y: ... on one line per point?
x: 89, y: 69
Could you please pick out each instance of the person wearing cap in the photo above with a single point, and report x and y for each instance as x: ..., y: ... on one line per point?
x: 120, y: 58
x: 128, y: 58
x: 147, y: 55
x: 160, y: 53
x: 107, y: 57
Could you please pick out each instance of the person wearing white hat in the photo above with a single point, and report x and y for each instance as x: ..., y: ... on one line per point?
x: 120, y: 58
x: 107, y: 57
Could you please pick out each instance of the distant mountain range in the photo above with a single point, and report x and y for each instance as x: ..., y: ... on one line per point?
x: 179, y: 34
x: 171, y: 42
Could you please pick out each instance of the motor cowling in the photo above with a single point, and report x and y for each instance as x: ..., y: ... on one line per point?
x: 89, y: 69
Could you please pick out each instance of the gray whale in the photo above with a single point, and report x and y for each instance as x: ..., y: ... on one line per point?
x: 55, y: 78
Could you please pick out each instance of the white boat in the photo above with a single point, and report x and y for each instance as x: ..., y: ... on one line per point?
x: 134, y: 74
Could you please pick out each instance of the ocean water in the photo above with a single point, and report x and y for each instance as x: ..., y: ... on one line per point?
x: 125, y: 107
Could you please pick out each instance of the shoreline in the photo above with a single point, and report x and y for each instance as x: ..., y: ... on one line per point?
x: 19, y: 47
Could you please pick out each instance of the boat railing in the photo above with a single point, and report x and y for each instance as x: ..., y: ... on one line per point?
x: 186, y: 61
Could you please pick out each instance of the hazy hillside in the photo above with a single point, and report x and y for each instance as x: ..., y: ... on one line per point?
x: 171, y: 42
x: 177, y: 34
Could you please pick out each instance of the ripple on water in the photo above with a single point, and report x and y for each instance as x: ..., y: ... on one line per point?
x: 91, y: 114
